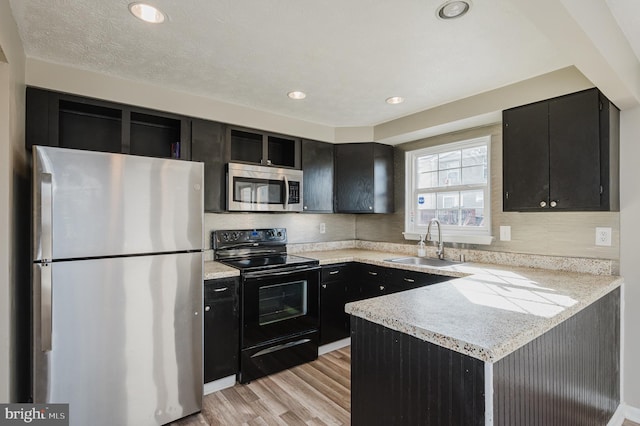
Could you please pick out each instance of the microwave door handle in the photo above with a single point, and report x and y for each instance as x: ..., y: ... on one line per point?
x: 286, y: 192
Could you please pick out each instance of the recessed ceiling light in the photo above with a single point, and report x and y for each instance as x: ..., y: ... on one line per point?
x: 146, y: 13
x: 453, y: 9
x: 296, y: 94
x: 394, y: 100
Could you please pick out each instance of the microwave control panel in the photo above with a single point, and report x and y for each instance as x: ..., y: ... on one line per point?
x: 294, y: 192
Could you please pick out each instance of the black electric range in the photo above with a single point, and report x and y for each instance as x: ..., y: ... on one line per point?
x: 279, y: 293
x: 253, y: 250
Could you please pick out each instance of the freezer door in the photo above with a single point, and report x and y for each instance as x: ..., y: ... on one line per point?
x: 93, y: 204
x: 126, y: 338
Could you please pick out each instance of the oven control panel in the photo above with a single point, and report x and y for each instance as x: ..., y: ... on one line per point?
x: 268, y: 236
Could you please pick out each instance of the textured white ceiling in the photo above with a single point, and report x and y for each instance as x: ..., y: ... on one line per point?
x: 349, y: 56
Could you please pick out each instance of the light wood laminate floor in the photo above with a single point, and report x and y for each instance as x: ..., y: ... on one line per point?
x: 317, y: 393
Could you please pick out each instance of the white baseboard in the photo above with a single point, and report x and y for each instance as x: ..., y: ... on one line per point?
x: 216, y: 385
x: 339, y: 344
x: 618, y: 417
x: 632, y: 413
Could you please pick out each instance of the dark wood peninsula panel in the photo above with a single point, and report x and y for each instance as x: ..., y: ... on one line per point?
x: 569, y: 375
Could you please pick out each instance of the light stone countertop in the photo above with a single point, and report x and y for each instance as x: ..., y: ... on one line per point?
x: 486, y: 311
x: 215, y: 270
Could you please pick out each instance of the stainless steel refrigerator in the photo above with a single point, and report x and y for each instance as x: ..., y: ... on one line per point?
x: 117, y: 286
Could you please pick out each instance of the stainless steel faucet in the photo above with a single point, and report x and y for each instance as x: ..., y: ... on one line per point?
x: 440, y: 251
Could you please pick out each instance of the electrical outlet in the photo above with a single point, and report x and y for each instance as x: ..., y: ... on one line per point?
x: 323, y: 228
x: 505, y: 233
x: 603, y: 236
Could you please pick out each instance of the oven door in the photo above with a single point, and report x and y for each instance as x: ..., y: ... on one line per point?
x: 277, y: 304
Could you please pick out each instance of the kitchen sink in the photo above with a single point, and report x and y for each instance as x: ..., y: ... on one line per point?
x: 424, y: 261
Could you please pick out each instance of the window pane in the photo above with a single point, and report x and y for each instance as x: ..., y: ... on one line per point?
x: 428, y: 163
x: 474, y: 156
x: 448, y: 217
x: 428, y: 180
x: 449, y: 160
x: 424, y: 216
x: 426, y: 208
x: 472, y: 217
x: 449, y: 177
x: 426, y: 201
x: 448, y: 200
x: 475, y: 174
x: 472, y: 198
x: 472, y: 211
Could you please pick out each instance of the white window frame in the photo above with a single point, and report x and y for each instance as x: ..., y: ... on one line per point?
x: 450, y: 233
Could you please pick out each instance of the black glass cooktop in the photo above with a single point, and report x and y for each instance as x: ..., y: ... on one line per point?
x: 268, y: 262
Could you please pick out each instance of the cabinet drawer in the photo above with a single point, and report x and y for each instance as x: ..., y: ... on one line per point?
x: 215, y: 290
x: 401, y: 280
x: 334, y: 272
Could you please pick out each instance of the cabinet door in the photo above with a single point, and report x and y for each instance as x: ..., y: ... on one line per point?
x: 383, y: 201
x: 207, y: 145
x: 574, y: 151
x: 372, y: 280
x: 354, y: 178
x: 526, y: 157
x: 333, y: 320
x: 317, y: 165
x: 41, y: 118
x: 221, y: 329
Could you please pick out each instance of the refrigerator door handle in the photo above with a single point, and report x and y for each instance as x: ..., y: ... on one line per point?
x: 46, y: 308
x: 46, y: 217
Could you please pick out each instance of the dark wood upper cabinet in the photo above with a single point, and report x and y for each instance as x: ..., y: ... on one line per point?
x: 562, y: 154
x: 317, y: 165
x: 207, y: 145
x: 364, y: 178
x: 70, y: 121
x: 267, y: 149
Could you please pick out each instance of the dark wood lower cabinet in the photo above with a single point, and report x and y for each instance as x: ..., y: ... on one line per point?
x: 347, y: 282
x: 568, y: 376
x: 221, y: 328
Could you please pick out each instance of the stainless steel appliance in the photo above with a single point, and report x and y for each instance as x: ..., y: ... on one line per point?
x: 262, y: 188
x: 117, y: 286
x: 279, y: 296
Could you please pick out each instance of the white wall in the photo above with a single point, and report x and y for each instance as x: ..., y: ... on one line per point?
x: 12, y: 163
x: 5, y: 276
x: 629, y: 242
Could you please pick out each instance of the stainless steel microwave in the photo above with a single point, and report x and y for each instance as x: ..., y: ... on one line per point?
x: 261, y: 188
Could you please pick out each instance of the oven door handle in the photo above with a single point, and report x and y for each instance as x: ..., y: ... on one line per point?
x: 280, y: 272
x: 280, y: 347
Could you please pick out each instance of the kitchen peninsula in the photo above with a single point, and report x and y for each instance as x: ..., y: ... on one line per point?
x: 494, y: 345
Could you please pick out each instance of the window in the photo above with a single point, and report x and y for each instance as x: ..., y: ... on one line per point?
x: 451, y: 183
